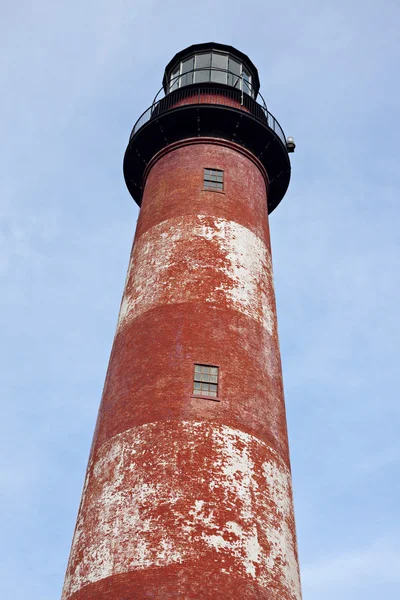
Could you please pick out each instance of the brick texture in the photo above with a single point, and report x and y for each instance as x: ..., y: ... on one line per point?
x: 187, y: 497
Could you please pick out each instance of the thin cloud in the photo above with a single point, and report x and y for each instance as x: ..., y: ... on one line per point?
x: 353, y: 570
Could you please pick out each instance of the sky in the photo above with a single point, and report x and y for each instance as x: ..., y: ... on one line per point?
x: 74, y: 78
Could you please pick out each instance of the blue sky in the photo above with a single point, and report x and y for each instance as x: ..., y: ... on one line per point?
x: 75, y: 76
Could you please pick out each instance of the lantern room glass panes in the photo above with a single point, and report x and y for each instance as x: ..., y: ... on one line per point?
x: 234, y: 68
x: 246, y: 81
x: 205, y: 381
x: 175, y: 79
x: 219, y: 64
x: 211, y: 66
x: 187, y: 71
x: 202, y: 66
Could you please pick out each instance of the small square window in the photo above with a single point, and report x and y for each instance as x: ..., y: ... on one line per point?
x: 213, y: 179
x: 203, y: 374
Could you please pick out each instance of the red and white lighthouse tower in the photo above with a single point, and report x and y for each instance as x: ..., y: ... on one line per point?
x: 188, y: 488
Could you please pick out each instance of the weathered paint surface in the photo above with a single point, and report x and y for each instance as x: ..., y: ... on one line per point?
x: 178, y: 492
x: 186, y: 497
x: 199, y: 258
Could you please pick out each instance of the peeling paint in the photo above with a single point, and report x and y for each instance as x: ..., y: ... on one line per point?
x: 141, y: 507
x: 197, y: 258
x: 186, y: 498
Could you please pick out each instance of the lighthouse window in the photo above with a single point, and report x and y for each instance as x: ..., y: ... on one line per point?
x: 246, y: 81
x: 202, y: 68
x: 187, y: 71
x: 213, y: 179
x: 219, y: 65
x: 175, y: 80
x: 234, y: 73
x: 205, y: 381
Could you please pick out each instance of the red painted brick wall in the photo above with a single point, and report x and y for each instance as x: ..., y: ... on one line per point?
x: 188, y: 497
x: 211, y: 98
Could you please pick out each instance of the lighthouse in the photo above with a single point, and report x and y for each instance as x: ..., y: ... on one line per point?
x: 188, y: 489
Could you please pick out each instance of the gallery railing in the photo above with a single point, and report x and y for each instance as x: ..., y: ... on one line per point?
x: 224, y: 95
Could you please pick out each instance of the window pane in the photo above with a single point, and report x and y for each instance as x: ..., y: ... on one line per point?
x: 219, y: 61
x: 205, y: 377
x: 213, y: 185
x: 175, y: 79
x: 187, y: 79
x: 203, y: 61
x: 203, y: 75
x: 247, y: 88
x: 234, y: 75
x: 234, y: 66
x: 247, y: 82
x: 213, y: 179
x: 218, y: 76
x: 213, y: 173
x: 187, y: 65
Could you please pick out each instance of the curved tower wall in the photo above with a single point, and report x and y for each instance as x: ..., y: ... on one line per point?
x: 187, y: 496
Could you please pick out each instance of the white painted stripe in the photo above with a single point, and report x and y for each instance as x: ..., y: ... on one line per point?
x: 237, y: 503
x: 199, y: 258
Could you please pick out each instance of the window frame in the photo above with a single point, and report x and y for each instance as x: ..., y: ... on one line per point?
x: 216, y: 398
x: 211, y: 188
x: 201, y: 69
